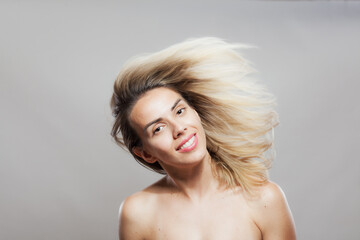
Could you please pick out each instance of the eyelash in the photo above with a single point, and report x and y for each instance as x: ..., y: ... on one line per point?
x: 179, y: 112
x: 157, y: 129
x: 182, y: 111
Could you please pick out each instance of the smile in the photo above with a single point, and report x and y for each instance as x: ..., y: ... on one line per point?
x: 189, y: 145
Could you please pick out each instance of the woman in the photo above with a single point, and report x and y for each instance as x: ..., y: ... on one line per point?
x: 192, y: 113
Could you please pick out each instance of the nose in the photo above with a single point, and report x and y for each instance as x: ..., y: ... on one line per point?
x: 179, y: 129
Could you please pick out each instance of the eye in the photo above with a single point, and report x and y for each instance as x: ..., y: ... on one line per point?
x: 180, y: 111
x: 158, y: 129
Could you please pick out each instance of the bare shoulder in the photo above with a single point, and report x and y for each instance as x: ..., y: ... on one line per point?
x: 137, y: 212
x: 271, y: 195
x: 272, y: 214
x: 134, y: 217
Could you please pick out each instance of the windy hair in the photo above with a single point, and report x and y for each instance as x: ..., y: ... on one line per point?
x: 236, y: 111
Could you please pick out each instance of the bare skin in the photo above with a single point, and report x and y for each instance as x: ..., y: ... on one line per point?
x: 189, y: 203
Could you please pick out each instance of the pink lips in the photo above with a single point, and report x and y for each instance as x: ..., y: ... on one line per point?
x: 191, y: 147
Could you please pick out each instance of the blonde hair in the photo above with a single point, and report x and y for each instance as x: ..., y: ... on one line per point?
x: 236, y: 111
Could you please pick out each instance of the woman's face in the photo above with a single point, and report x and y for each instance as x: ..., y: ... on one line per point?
x: 170, y: 130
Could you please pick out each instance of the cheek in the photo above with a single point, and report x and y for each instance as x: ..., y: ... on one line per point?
x: 195, y: 116
x: 160, y: 144
x: 197, y: 121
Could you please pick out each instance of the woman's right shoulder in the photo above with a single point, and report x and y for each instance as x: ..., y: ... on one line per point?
x: 133, y: 203
x: 137, y: 212
x: 142, y: 201
x: 135, y: 216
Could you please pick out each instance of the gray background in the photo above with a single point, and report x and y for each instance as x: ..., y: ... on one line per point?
x: 62, y: 177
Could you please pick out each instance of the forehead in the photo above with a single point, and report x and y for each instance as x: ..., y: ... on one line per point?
x: 152, y: 105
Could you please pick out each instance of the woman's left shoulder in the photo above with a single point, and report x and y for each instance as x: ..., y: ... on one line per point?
x: 268, y: 198
x: 271, y: 193
x: 271, y: 212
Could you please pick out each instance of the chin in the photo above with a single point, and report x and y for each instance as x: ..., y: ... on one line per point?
x: 199, y: 155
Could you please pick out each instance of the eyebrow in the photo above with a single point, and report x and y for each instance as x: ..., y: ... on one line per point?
x: 159, y: 119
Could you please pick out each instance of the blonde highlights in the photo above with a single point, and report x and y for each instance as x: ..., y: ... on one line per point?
x: 236, y: 111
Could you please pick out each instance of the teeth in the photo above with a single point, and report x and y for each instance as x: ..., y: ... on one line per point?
x: 188, y: 143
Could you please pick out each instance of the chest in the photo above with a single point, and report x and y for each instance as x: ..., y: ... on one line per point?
x: 217, y: 220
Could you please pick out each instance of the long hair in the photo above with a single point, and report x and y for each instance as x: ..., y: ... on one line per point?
x: 235, y: 110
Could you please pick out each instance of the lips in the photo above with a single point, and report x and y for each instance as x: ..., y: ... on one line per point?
x: 188, y: 144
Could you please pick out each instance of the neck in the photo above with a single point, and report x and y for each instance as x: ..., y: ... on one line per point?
x: 196, y: 182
